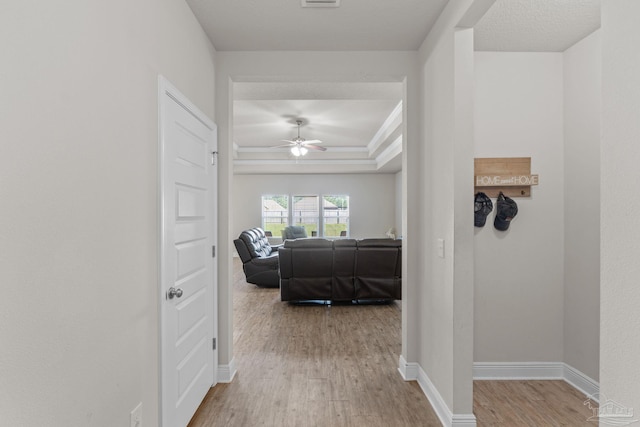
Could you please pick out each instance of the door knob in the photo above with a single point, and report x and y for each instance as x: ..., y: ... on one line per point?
x: 174, y: 292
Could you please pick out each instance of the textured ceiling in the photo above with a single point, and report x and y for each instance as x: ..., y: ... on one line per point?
x: 285, y: 25
x: 536, y: 25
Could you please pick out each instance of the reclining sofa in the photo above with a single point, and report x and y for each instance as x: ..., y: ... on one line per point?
x: 294, y: 232
x: 259, y: 258
x: 340, y: 270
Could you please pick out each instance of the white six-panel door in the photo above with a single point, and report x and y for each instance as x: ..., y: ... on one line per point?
x: 188, y: 225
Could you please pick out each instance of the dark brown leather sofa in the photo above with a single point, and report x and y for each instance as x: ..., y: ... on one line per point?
x: 259, y: 258
x: 340, y: 270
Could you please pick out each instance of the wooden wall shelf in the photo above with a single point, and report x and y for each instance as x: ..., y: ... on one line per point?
x: 511, y: 175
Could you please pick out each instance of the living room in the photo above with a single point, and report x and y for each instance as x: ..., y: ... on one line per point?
x: 356, y: 151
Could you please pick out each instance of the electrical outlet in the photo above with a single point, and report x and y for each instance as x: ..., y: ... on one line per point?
x: 136, y: 416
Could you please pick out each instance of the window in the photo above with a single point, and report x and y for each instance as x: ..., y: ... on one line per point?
x: 329, y: 219
x: 275, y: 213
x: 335, y: 216
x: 305, y: 213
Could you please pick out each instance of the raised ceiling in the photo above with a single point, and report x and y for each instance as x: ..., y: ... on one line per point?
x: 360, y: 124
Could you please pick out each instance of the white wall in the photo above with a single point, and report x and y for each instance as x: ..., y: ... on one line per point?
x: 582, y: 111
x: 445, y: 297
x: 78, y: 188
x: 519, y: 273
x: 620, y: 204
x: 372, y: 198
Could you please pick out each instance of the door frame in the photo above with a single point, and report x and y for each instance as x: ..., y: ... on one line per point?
x: 166, y: 89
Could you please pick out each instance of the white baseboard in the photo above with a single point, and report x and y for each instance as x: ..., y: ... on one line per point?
x: 227, y: 372
x: 447, y: 418
x: 408, y: 371
x: 580, y: 381
x: 413, y: 372
x: 517, y: 371
x: 536, y: 371
x: 463, y: 420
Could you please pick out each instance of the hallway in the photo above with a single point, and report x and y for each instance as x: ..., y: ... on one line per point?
x: 313, y: 365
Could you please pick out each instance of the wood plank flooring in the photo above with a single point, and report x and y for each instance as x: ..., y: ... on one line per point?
x: 336, y: 365
x: 529, y: 403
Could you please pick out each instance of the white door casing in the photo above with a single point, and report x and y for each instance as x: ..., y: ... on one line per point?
x: 188, y: 222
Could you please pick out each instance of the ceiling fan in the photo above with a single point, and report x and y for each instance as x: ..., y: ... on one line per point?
x: 300, y: 146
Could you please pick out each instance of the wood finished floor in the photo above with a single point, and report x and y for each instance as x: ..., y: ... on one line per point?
x: 336, y: 365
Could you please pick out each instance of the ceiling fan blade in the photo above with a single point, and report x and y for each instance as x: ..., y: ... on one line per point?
x: 283, y: 145
x: 315, y: 147
x: 299, y: 145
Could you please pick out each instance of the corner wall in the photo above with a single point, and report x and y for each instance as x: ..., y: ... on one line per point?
x: 545, y: 106
x: 519, y: 272
x: 79, y: 191
x: 582, y: 113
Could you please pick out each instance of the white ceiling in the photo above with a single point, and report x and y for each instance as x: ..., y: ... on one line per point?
x: 285, y: 25
x: 358, y: 123
x: 355, y: 121
x: 536, y: 25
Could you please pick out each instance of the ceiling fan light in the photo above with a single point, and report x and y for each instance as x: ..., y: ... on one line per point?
x: 295, y: 150
x: 303, y: 151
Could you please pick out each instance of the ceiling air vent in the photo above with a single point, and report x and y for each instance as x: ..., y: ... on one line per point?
x: 320, y: 3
